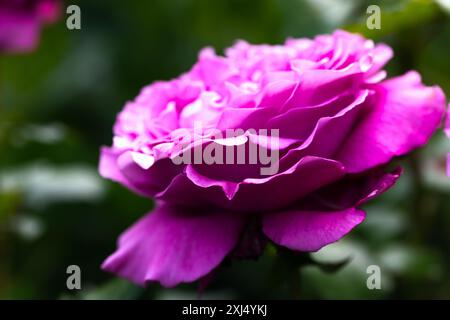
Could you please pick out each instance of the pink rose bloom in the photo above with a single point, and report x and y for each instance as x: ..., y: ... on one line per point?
x: 21, y: 21
x: 339, y: 123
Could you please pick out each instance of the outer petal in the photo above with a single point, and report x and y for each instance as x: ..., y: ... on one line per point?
x: 310, y: 230
x: 404, y: 118
x: 328, y: 214
x: 352, y: 191
x: 171, y: 246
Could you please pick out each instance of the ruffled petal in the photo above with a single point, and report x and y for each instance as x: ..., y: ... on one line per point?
x: 134, y: 171
x: 254, y: 195
x: 329, y: 132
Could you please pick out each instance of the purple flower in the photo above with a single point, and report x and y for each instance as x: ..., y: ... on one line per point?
x: 339, y: 123
x: 21, y: 21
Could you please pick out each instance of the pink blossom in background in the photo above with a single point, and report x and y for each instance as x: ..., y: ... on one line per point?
x: 447, y: 132
x: 447, y: 122
x: 340, y: 123
x: 21, y: 22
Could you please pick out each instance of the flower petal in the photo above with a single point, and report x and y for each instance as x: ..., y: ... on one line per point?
x: 405, y: 117
x: 310, y: 230
x: 330, y: 213
x: 172, y: 246
x: 254, y: 195
x: 127, y: 169
x: 352, y: 191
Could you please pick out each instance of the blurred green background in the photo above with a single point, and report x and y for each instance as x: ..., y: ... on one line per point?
x: 58, y: 105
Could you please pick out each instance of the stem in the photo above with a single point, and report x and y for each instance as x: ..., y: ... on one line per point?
x: 416, y: 197
x: 295, y: 284
x: 290, y: 264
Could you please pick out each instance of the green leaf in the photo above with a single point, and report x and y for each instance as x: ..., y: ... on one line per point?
x: 415, y: 12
